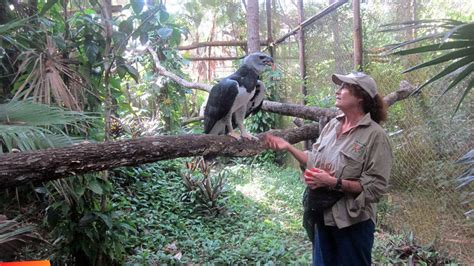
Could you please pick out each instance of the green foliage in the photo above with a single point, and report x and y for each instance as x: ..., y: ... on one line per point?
x: 402, y: 249
x: 14, y: 235
x: 85, y: 231
x: 206, y: 192
x: 25, y: 125
x: 455, y: 43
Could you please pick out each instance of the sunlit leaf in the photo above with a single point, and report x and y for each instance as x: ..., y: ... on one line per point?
x: 137, y: 5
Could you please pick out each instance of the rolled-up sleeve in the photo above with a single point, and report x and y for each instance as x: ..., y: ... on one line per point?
x: 376, y: 173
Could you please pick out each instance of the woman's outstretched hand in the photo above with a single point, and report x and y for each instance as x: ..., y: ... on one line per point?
x: 275, y: 143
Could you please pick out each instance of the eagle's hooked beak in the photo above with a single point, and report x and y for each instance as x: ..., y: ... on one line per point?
x: 269, y: 61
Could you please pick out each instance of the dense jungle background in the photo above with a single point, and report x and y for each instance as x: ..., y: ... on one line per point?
x: 91, y: 71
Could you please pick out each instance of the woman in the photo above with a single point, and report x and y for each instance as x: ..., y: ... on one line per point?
x: 352, y: 155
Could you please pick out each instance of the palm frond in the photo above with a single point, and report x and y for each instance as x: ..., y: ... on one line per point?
x: 35, y: 114
x: 461, y: 76
x: 466, y: 92
x: 13, y: 236
x: 436, y: 47
x: 449, y: 69
x: 7, y: 29
x: 28, y: 126
x: 457, y: 44
x: 417, y: 24
x: 44, y: 72
x: 444, y: 58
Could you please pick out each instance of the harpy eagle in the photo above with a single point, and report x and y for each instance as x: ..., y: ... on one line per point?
x: 235, y: 97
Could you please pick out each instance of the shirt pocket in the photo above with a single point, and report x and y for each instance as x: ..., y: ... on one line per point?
x: 315, y: 155
x: 351, y: 166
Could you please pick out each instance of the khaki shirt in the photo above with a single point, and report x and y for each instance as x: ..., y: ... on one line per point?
x: 363, y: 154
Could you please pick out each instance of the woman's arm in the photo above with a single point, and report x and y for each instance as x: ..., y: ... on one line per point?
x: 279, y: 144
x: 319, y: 178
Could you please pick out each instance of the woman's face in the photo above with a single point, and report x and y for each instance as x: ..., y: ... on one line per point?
x: 345, y: 100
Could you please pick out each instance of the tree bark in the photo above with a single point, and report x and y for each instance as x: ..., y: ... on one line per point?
x: 43, y: 165
x: 268, y: 11
x: 253, y: 27
x: 216, y: 44
x: 357, y: 35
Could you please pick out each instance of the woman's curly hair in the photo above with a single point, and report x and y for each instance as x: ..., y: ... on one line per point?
x: 375, y: 106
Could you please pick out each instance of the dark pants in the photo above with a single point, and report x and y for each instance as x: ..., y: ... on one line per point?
x: 347, y: 246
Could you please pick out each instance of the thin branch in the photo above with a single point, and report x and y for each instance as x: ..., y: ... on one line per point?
x: 161, y: 70
x: 196, y: 45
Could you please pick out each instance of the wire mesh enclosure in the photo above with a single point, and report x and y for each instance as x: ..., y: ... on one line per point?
x: 427, y: 137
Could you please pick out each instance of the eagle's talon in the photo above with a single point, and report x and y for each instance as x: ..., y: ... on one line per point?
x: 249, y: 137
x: 234, y: 135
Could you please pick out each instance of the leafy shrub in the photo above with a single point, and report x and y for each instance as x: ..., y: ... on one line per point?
x: 403, y: 249
x: 85, y: 231
x: 205, y: 191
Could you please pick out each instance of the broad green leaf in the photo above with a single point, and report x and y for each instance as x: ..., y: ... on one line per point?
x: 95, y: 187
x: 164, y: 16
x: 122, y: 71
x: 107, y: 220
x: 133, y: 72
x: 115, y: 83
x: 47, y: 7
x: 143, y: 37
x: 86, y: 219
x: 137, y: 5
x: 92, y: 51
x: 126, y: 26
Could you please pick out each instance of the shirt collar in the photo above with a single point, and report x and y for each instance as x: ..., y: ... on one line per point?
x: 365, y: 121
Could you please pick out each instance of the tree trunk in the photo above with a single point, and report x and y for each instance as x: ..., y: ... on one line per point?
x: 253, y: 32
x: 268, y: 10
x: 357, y: 35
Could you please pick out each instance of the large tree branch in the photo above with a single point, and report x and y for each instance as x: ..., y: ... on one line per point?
x: 314, y: 113
x: 50, y: 164
x: 216, y: 43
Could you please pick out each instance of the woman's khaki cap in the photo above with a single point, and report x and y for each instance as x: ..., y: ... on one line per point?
x: 358, y: 78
